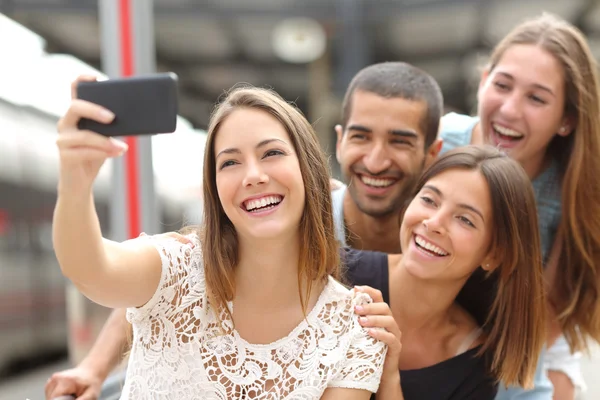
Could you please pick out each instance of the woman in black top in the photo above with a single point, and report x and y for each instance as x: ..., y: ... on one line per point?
x: 467, y: 291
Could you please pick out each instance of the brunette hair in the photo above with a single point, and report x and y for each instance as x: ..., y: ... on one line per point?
x: 575, y: 292
x: 399, y: 80
x: 319, y: 255
x: 515, y: 323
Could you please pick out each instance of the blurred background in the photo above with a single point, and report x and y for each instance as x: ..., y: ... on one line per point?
x: 307, y: 50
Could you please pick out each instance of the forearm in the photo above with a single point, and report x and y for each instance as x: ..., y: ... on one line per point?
x: 390, y: 388
x: 111, y: 344
x: 77, y: 238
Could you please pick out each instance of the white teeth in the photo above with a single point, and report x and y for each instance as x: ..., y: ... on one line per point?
x: 263, y: 202
x: 429, y: 246
x: 507, y: 132
x: 376, y: 182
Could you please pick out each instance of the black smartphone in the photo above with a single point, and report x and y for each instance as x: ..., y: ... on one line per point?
x: 143, y: 105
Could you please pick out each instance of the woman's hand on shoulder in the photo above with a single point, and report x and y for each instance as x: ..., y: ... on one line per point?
x: 377, y: 317
x: 173, y: 235
x: 82, y: 152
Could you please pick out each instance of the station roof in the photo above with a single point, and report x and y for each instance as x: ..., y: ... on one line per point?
x: 213, y: 44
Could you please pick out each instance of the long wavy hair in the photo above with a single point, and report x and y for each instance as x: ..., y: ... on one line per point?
x: 575, y: 292
x: 515, y: 323
x: 319, y: 255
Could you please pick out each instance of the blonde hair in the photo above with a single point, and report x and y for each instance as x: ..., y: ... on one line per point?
x: 319, y: 255
x: 575, y: 294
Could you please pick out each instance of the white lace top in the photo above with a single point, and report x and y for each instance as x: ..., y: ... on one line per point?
x: 179, y: 352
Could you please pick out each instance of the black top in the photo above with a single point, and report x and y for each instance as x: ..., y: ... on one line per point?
x: 463, y: 377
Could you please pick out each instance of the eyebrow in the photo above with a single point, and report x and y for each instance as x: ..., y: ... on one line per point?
x: 262, y: 143
x: 394, y: 132
x: 461, y: 205
x: 536, y: 85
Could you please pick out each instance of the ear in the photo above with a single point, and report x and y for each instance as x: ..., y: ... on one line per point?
x: 567, y: 126
x: 433, y: 151
x: 489, y: 263
x: 339, y: 131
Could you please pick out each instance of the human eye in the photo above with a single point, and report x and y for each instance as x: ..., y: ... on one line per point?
x: 501, y: 85
x: 427, y: 200
x: 402, y: 142
x: 466, y: 221
x: 226, y: 164
x: 358, y: 136
x: 273, y: 152
x: 537, y: 99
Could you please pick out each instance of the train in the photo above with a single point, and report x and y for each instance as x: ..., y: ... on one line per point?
x: 34, y: 93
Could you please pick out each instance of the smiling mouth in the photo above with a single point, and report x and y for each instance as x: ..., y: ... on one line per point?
x: 507, y: 134
x: 429, y: 247
x: 262, y: 204
x: 377, y: 183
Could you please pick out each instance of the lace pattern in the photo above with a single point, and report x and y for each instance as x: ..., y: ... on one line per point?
x: 180, y: 352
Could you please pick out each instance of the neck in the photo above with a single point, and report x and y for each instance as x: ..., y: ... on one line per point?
x: 368, y: 232
x: 422, y: 304
x: 536, y: 165
x: 267, y: 270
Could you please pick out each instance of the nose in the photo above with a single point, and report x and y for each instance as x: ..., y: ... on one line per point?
x: 435, y: 224
x: 255, y: 175
x: 511, y: 107
x: 377, y: 159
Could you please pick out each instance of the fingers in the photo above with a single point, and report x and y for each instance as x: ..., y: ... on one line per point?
x: 373, y: 309
x: 374, y: 294
x: 378, y: 321
x: 89, y: 394
x: 174, y: 235
x: 80, y: 78
x: 391, y: 340
x: 49, y: 387
x: 378, y: 318
x: 83, y: 109
x: 61, y: 387
x: 89, y: 139
x: 179, y: 237
x: 335, y: 184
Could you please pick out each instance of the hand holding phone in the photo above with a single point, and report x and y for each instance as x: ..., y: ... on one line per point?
x: 143, y: 105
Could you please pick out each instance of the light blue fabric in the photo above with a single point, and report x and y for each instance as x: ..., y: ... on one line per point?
x: 456, y: 131
x: 542, y: 389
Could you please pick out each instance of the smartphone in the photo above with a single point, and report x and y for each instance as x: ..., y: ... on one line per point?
x: 143, y: 105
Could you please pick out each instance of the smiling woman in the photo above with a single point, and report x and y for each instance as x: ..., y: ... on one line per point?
x: 539, y: 99
x: 467, y: 290
x: 202, y: 311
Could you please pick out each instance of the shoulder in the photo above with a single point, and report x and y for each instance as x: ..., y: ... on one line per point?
x: 337, y: 295
x: 339, y: 300
x: 182, y: 274
x: 358, y: 356
x: 365, y: 268
x: 456, y: 130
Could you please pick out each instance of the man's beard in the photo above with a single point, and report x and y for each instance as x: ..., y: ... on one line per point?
x: 400, y: 201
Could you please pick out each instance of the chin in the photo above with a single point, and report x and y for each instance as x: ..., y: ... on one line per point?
x: 419, y: 271
x: 271, y: 232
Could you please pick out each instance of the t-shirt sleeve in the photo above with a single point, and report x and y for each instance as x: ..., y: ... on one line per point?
x: 456, y: 130
x: 363, y: 364
x: 366, y: 268
x: 178, y: 260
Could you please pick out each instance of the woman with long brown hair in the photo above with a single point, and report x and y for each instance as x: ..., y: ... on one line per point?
x: 467, y: 290
x: 539, y: 101
x: 251, y: 308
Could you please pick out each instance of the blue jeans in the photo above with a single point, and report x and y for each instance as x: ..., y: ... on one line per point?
x: 542, y: 386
